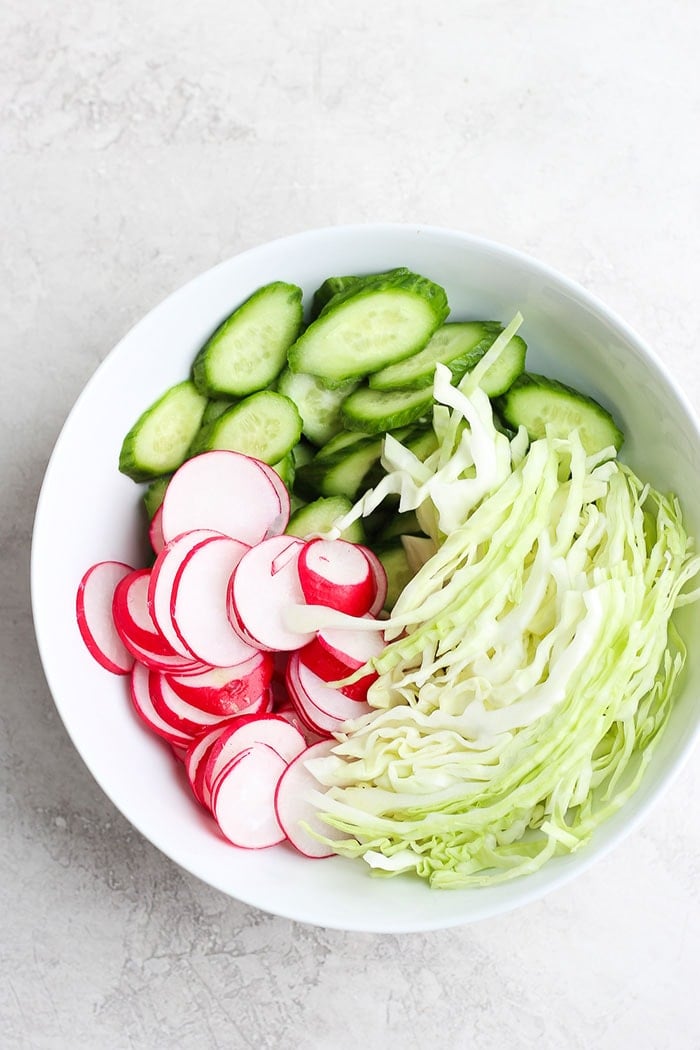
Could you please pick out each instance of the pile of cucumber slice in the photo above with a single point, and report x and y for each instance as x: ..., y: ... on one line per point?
x: 315, y: 398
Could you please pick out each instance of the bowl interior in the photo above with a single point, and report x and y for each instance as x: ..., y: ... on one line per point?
x: 88, y: 512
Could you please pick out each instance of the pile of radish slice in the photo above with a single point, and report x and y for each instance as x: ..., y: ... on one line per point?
x: 243, y: 700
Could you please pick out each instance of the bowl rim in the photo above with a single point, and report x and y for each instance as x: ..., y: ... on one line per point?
x: 534, y: 265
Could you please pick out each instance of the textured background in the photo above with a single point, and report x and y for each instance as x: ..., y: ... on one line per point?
x: 143, y: 142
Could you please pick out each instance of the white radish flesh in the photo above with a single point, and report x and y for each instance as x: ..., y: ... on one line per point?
x: 243, y: 800
x: 297, y: 803
x: 264, y: 584
x: 199, y: 603
x: 227, y: 492
x: 93, y: 608
x: 337, y: 573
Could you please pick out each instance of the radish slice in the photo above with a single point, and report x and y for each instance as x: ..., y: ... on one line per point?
x: 155, y: 531
x: 143, y: 705
x: 296, y: 802
x: 245, y: 731
x: 280, y: 487
x: 227, y: 492
x: 182, y: 716
x: 337, y: 573
x: 170, y: 662
x: 93, y: 609
x: 324, y: 708
x: 163, y: 576
x: 198, y: 607
x: 335, y: 654
x: 195, y: 756
x: 379, y: 580
x: 264, y: 584
x: 243, y: 800
x: 226, y: 690
x: 132, y: 617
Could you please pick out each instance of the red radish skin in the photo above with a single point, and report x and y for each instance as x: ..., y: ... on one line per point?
x: 171, y: 662
x: 194, y: 760
x: 379, y: 580
x: 155, y: 531
x: 243, y: 799
x: 163, y: 576
x: 336, y: 653
x: 132, y: 617
x: 183, y: 717
x: 143, y: 705
x: 265, y: 583
x: 226, y: 690
x: 280, y: 487
x: 227, y: 492
x: 242, y: 733
x: 295, y: 804
x: 93, y: 610
x: 338, y: 574
x: 199, y: 601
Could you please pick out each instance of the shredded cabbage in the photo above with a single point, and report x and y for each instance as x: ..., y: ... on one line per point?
x: 530, y: 663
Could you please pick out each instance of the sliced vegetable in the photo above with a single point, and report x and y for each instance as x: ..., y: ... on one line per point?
x: 159, y: 440
x: 318, y: 405
x: 459, y: 345
x: 264, y: 583
x: 296, y: 805
x: 321, y: 515
x: 361, y: 331
x: 93, y: 606
x: 336, y: 573
x: 376, y: 411
x: 544, y: 405
x: 249, y: 349
x: 199, y: 602
x: 243, y: 798
x: 205, y: 493
x: 266, y: 426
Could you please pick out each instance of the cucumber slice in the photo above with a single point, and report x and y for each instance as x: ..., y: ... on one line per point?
x: 153, y: 496
x: 333, y: 286
x: 361, y: 331
x: 342, y: 474
x: 398, y: 571
x: 286, y: 469
x: 320, y: 515
x: 540, y: 404
x: 318, y: 405
x: 266, y: 425
x: 375, y: 411
x: 159, y: 440
x: 215, y: 408
x: 342, y: 440
x: 401, y: 524
x: 249, y: 349
x: 303, y: 453
x: 501, y: 375
x: 458, y: 345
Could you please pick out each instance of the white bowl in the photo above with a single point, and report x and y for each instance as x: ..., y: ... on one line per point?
x: 88, y: 511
